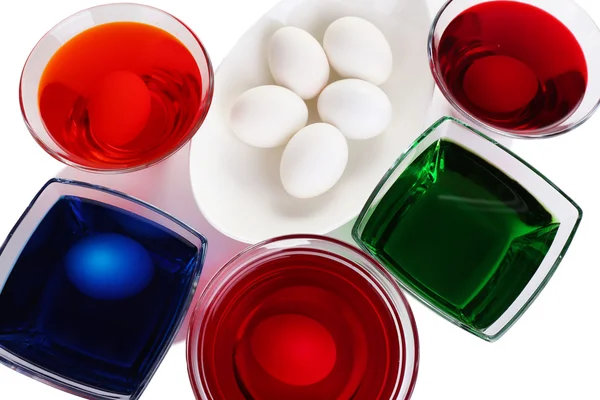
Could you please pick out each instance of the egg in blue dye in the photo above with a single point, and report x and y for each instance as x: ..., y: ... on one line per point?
x: 109, y: 266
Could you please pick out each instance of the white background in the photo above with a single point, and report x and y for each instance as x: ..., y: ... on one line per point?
x: 552, y: 353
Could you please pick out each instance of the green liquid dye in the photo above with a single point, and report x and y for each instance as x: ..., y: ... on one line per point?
x: 460, y: 233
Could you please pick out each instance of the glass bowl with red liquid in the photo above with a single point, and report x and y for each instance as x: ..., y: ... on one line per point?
x: 519, y: 68
x: 302, y: 317
x: 116, y: 88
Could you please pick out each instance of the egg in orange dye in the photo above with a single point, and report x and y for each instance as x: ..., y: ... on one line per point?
x: 119, y: 108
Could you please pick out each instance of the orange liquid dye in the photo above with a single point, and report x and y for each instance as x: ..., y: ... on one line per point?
x: 121, y: 95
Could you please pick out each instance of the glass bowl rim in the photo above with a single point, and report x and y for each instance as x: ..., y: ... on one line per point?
x: 377, y: 273
x: 363, y: 217
x: 113, y: 192
x: 539, y: 133
x: 193, y: 129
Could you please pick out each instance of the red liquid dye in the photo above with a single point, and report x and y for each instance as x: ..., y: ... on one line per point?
x: 301, y: 327
x: 513, y: 65
x: 121, y: 94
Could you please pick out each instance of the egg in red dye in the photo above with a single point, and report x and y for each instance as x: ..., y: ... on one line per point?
x: 500, y: 84
x: 294, y: 349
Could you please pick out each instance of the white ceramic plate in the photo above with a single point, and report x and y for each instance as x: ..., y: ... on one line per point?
x: 237, y: 187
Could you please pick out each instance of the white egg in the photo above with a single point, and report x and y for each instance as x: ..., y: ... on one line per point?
x: 268, y: 116
x: 358, y: 49
x: 313, y: 161
x: 298, y: 62
x: 359, y: 109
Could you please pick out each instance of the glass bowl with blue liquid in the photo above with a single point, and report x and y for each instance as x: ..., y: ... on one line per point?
x: 94, y: 286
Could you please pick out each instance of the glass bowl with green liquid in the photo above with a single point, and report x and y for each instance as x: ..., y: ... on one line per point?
x: 468, y: 228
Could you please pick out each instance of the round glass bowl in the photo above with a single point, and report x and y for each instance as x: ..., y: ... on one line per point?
x: 515, y: 104
x: 158, y: 81
x: 301, y: 317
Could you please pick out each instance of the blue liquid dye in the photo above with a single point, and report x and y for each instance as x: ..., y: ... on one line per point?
x: 89, y: 301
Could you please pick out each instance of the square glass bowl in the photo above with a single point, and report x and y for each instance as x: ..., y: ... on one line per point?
x: 93, y: 288
x: 468, y: 228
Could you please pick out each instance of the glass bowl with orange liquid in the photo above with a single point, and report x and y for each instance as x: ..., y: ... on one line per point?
x: 116, y: 88
x: 519, y: 68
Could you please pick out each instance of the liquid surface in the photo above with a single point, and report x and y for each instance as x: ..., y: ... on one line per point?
x: 93, y: 299
x: 301, y: 327
x: 513, y: 65
x: 120, y: 95
x: 460, y: 233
